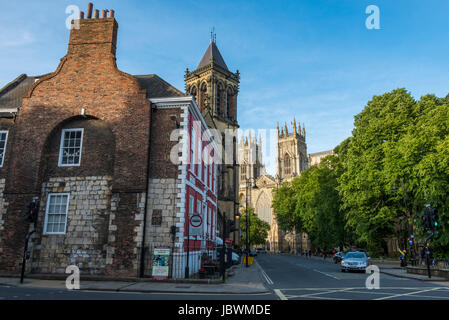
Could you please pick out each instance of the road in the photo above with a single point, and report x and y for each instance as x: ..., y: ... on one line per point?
x: 299, y: 278
x: 28, y: 293
x: 288, y: 278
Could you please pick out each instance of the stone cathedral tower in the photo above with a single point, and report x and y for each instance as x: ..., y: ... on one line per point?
x: 292, y: 156
x: 215, y: 89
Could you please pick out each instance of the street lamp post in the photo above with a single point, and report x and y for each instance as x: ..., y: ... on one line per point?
x: 248, y: 217
x: 407, y: 222
x: 247, y: 232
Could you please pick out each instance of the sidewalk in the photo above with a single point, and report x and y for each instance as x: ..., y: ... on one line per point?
x: 243, y: 281
x: 402, y: 273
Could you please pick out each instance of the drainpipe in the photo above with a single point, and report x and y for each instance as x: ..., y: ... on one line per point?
x: 145, y: 213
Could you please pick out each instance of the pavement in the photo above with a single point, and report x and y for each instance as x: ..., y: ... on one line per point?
x: 241, y: 280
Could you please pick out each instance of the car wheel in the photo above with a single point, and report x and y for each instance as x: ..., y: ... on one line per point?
x: 342, y: 270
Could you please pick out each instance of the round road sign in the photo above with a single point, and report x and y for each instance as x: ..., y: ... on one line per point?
x: 196, y: 221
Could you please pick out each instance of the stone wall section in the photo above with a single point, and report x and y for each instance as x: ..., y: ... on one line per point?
x: 85, y: 243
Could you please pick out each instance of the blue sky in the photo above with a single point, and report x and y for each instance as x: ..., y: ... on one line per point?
x: 310, y: 59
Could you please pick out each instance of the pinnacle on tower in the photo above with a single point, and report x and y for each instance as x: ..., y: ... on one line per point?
x: 294, y: 126
x: 303, y: 130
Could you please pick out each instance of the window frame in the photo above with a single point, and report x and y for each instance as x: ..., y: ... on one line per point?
x: 61, y: 145
x: 66, y: 214
x: 4, y: 149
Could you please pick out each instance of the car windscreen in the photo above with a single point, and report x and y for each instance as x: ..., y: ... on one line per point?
x: 355, y: 255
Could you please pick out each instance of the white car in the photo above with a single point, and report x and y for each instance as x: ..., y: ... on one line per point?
x: 354, y: 261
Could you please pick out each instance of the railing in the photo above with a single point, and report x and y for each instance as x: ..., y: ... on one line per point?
x: 203, y: 260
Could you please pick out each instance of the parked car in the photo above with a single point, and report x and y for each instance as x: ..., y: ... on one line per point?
x: 235, y: 258
x: 253, y: 253
x: 338, y: 257
x: 261, y: 250
x: 354, y: 261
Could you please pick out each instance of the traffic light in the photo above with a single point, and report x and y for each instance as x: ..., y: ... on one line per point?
x: 430, y: 218
x: 32, y: 211
x: 426, y: 218
x: 435, y: 219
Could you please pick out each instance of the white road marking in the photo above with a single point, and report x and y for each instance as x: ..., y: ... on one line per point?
x: 267, y: 278
x: 176, y: 293
x: 321, y: 298
x: 280, y: 294
x: 264, y: 274
x: 326, y: 274
x: 319, y: 292
x: 406, y: 294
x: 311, y: 295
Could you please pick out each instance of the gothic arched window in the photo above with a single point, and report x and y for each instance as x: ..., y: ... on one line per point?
x: 219, y: 100
x: 203, y: 96
x: 243, y: 172
x: 287, y: 165
x: 230, y: 105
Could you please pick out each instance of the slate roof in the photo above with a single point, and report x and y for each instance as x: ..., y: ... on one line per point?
x: 212, y: 52
x: 11, y: 95
x: 157, y: 87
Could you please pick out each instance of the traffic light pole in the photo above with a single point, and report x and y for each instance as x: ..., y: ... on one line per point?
x: 223, y: 250
x: 428, y: 255
x: 24, y: 259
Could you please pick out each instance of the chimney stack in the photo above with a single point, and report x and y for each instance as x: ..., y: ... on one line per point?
x: 94, y: 34
x: 90, y: 6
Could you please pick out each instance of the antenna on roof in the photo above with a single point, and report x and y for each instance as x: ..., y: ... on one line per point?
x: 213, y: 36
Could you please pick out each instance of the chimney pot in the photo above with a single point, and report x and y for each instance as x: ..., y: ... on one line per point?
x: 112, y: 13
x: 96, y: 13
x: 81, y: 15
x: 103, y: 14
x: 90, y: 7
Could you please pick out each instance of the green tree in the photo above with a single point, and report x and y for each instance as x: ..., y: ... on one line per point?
x: 422, y: 158
x: 284, y: 206
x: 258, y: 229
x: 311, y: 203
x: 366, y: 186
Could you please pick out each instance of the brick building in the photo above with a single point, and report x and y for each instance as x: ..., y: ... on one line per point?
x: 93, y: 144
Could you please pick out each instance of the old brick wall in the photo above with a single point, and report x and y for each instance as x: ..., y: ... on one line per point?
x: 3, y: 205
x: 6, y: 124
x: 86, y: 78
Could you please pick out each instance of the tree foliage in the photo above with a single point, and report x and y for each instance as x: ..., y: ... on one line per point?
x: 380, y: 179
x: 258, y: 229
x: 311, y: 203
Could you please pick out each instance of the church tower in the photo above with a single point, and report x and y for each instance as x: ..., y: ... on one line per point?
x: 215, y: 89
x: 292, y: 152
